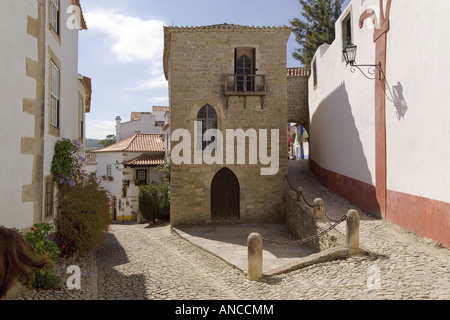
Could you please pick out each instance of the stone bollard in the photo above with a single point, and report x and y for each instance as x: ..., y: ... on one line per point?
x: 352, y: 237
x: 299, y: 193
x: 319, y: 209
x: 255, y: 256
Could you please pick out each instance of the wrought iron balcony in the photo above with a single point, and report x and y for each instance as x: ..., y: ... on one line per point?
x: 245, y: 85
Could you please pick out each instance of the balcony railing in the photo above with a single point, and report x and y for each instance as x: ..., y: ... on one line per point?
x: 245, y: 85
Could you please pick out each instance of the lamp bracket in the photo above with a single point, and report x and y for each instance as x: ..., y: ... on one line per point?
x: 370, y: 74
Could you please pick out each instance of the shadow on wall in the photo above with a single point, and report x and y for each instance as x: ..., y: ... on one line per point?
x: 337, y: 154
x: 399, y: 101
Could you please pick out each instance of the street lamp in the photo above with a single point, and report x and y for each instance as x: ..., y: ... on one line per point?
x: 349, y: 53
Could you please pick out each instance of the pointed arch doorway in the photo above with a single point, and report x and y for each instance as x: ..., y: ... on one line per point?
x: 225, y: 196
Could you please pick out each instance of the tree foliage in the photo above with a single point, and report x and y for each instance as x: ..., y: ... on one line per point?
x: 84, y: 215
x: 154, y: 201
x: 316, y: 27
x: 110, y: 140
x: 67, y: 161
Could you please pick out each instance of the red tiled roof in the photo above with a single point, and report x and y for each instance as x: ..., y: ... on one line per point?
x: 146, y: 160
x: 137, y: 143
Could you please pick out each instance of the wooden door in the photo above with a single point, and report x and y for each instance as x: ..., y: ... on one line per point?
x: 225, y: 196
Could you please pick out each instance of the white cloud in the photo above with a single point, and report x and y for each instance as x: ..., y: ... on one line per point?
x: 132, y: 39
x: 158, y: 101
x: 99, y: 129
x: 152, y: 83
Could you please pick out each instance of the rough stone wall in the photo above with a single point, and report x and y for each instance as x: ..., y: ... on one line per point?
x: 298, y: 110
x: 197, y: 62
x: 301, y: 223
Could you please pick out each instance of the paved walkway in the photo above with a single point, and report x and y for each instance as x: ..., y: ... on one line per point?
x: 141, y: 262
x: 229, y: 242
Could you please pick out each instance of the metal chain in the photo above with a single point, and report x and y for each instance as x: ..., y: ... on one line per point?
x: 290, y: 185
x: 281, y: 242
x: 306, y: 201
x: 336, y: 223
x: 327, y: 216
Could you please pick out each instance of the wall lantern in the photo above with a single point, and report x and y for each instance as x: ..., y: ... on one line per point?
x: 117, y: 165
x: 349, y: 53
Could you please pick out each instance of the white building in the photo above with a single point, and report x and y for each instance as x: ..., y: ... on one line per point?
x: 383, y: 143
x: 141, y: 123
x: 44, y: 99
x: 126, y: 165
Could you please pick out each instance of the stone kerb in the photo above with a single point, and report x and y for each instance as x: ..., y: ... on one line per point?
x: 304, y: 221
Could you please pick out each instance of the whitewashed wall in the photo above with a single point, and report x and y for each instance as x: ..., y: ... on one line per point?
x: 15, y: 85
x: 145, y: 125
x: 115, y: 186
x: 418, y: 66
x: 341, y: 108
x: 67, y: 53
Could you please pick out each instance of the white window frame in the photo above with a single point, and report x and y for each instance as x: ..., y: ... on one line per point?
x: 55, y: 77
x: 54, y: 15
x: 141, y: 175
x: 109, y: 170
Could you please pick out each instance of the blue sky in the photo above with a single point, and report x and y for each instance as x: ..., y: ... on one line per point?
x: 122, y: 49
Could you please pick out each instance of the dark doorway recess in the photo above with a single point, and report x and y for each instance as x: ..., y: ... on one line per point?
x: 225, y: 196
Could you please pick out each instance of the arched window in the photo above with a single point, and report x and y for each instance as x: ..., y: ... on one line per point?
x: 245, y: 65
x: 208, y: 118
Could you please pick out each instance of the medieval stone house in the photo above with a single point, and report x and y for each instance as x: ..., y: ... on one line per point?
x: 232, y: 80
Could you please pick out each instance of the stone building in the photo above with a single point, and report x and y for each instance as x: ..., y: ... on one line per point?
x: 298, y: 112
x: 232, y: 79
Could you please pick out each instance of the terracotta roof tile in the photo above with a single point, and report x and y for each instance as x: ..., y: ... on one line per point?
x: 146, y: 160
x: 137, y: 143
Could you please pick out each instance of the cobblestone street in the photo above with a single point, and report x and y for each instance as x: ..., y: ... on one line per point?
x: 141, y: 262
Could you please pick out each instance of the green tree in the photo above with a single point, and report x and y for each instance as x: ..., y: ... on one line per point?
x: 110, y: 139
x: 154, y: 201
x: 315, y: 28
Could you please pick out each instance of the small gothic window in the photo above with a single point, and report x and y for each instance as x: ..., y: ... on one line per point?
x: 208, y: 118
x: 245, y: 65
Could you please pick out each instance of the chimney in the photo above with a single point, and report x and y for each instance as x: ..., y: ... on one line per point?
x: 118, y: 133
